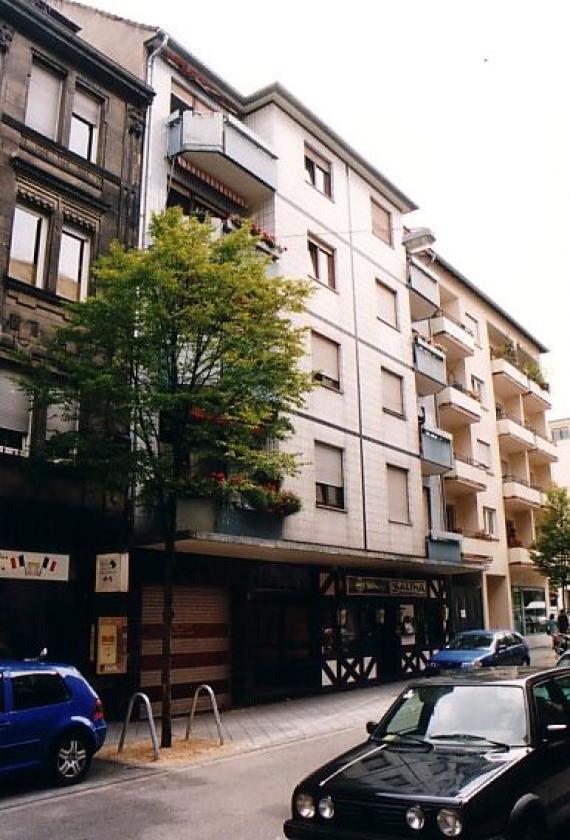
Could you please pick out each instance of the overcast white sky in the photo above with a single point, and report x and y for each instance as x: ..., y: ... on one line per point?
x: 464, y: 105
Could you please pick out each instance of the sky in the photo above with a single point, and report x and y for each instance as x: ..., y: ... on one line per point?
x: 463, y: 105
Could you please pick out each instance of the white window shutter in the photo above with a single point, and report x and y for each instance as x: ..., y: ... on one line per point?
x: 328, y: 465
x: 398, y: 505
x: 44, y: 96
x: 325, y: 356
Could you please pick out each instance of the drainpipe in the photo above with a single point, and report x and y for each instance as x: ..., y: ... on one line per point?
x: 146, y: 149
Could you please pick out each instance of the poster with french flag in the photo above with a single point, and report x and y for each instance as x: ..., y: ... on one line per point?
x: 33, y: 565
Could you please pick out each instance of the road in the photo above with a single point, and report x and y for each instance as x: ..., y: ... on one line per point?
x: 245, y: 797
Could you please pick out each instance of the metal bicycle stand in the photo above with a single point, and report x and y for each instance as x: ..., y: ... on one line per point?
x: 139, y: 695
x: 210, y: 691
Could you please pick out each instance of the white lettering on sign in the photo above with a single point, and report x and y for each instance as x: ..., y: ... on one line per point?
x: 33, y: 565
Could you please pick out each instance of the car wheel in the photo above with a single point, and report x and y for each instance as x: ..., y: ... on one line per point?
x: 71, y: 758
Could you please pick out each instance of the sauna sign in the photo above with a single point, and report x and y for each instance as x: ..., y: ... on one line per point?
x: 32, y: 565
x: 395, y: 588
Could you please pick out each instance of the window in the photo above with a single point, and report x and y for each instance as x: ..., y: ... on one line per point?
x: 322, y: 262
x: 14, y: 416
x: 478, y: 388
x: 484, y: 453
x: 28, y: 246
x: 451, y: 518
x: 60, y: 420
x: 329, y: 477
x: 182, y: 100
x: 44, y: 101
x: 73, y: 269
x: 30, y: 691
x: 326, y: 369
x: 392, y: 393
x: 387, y: 301
x: 318, y: 172
x: 398, y: 501
x: 472, y: 325
x: 85, y: 119
x: 381, y: 222
x: 490, y: 521
x: 563, y: 433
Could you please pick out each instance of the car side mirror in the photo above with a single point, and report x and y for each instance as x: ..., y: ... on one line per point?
x: 370, y: 727
x: 555, y: 731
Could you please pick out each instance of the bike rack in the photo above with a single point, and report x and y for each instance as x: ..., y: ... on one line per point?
x: 210, y: 691
x: 139, y: 695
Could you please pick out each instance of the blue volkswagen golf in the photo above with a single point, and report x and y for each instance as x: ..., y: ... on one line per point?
x: 50, y: 719
x: 481, y: 649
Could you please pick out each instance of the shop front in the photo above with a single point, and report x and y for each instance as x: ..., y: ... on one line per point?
x: 530, y: 609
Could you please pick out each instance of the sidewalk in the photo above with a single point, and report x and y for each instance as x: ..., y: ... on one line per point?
x: 279, y: 723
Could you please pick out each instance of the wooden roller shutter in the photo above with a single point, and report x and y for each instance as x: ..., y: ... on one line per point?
x: 200, y: 645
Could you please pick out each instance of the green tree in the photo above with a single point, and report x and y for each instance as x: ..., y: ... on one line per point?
x: 183, y: 365
x: 551, y: 550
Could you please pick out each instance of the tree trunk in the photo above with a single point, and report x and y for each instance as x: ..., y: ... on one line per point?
x: 169, y: 520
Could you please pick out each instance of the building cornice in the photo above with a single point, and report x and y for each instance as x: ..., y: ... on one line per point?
x: 46, y: 30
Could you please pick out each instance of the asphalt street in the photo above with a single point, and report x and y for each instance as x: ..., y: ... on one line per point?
x: 245, y: 797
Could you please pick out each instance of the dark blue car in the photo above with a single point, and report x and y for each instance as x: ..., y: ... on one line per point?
x: 50, y: 718
x: 480, y: 649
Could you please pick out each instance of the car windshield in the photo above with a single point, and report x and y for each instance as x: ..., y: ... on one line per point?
x: 471, y: 641
x: 463, y: 713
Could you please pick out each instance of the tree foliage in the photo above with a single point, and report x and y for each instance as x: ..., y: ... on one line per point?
x: 179, y: 370
x: 551, y: 550
x: 190, y: 350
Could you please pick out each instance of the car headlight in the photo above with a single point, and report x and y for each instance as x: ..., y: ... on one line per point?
x: 326, y: 808
x: 305, y: 805
x: 415, y: 817
x: 449, y: 823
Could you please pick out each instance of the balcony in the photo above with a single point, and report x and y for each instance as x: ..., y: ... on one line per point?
x: 224, y: 148
x: 467, y: 476
x: 478, y: 547
x: 536, y: 397
x: 444, y: 546
x: 544, y: 452
x: 454, y: 337
x: 519, y: 494
x: 429, y: 366
x: 457, y: 407
x: 424, y: 292
x: 514, y: 435
x: 519, y: 556
x: 436, y: 449
x: 508, y: 380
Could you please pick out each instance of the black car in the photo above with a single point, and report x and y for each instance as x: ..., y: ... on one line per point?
x: 480, y: 756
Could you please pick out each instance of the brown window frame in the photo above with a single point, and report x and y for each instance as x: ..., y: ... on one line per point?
x: 318, y: 247
x: 381, y: 233
x: 315, y: 163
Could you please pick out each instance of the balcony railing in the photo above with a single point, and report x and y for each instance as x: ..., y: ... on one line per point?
x: 424, y: 292
x: 436, y: 451
x: 520, y: 494
x: 467, y: 476
x: 455, y: 337
x: 429, y: 365
x: 458, y: 406
x: 225, y: 149
x: 444, y: 546
x: 514, y: 433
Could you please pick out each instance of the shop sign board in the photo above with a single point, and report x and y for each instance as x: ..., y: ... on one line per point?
x: 33, y: 565
x: 395, y: 588
x: 112, y: 645
x: 112, y: 573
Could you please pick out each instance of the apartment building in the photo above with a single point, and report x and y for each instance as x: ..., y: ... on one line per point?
x: 71, y: 131
x: 494, y: 406
x: 377, y: 568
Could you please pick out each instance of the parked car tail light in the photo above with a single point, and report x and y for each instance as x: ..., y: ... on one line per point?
x: 98, y: 711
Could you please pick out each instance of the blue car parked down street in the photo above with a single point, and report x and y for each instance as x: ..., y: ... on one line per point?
x: 50, y: 719
x: 481, y: 649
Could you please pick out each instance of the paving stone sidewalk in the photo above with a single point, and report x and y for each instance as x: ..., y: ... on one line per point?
x: 279, y: 723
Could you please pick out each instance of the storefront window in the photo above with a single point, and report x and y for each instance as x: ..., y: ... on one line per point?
x: 529, y: 610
